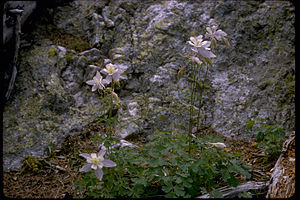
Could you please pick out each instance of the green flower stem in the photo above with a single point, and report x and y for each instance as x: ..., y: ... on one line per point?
x: 109, y: 128
x: 110, y: 109
x: 200, y: 100
x: 192, y: 100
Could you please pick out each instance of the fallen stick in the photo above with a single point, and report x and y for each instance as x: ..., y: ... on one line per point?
x: 230, y: 192
x: 282, y: 183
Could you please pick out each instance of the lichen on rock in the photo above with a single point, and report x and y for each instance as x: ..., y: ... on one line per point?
x: 255, y: 78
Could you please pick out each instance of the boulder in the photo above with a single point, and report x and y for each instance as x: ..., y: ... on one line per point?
x: 254, y: 78
x: 50, y: 102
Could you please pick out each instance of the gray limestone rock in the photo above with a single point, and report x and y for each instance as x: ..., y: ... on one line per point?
x: 254, y: 78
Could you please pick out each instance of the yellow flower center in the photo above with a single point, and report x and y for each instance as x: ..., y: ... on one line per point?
x: 111, y: 70
x: 95, y: 160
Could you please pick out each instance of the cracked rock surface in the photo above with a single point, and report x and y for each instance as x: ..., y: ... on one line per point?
x: 254, y: 78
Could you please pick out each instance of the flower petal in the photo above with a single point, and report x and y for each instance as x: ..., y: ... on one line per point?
x: 208, y: 35
x: 199, y: 37
x: 206, y: 44
x: 101, y: 152
x: 116, y: 76
x: 98, y: 76
x: 203, y: 52
x: 86, y: 167
x: 90, y: 82
x: 108, y: 78
x: 93, y: 155
x: 99, y: 173
x: 108, y: 163
x: 94, y: 88
x: 214, y: 28
x: 104, y: 71
x: 102, y: 86
x: 209, y: 30
x: 94, y: 166
x: 220, y: 34
x: 85, y: 155
x: 195, y: 49
x: 191, y: 43
x: 193, y: 40
x: 105, y: 81
x: 110, y: 65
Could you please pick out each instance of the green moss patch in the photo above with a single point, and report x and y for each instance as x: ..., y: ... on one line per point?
x: 67, y: 40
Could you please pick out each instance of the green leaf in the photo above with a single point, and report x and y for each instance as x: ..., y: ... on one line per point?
x: 154, y: 154
x: 250, y: 124
x: 234, y: 167
x: 225, y: 40
x: 225, y: 174
x: 173, y: 160
x: 170, y: 195
x: 179, y: 191
x: 161, y: 162
x: 186, y: 184
x: 232, y: 181
x: 168, y: 187
x: 140, y: 181
x: 208, y: 61
x: 180, y: 72
x: 203, y: 190
x: 167, y: 180
x: 195, y: 167
x: 260, y: 137
x: 178, y: 180
x: 182, y: 174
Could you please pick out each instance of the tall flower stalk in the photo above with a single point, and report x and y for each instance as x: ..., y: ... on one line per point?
x: 201, y: 55
x: 113, y: 76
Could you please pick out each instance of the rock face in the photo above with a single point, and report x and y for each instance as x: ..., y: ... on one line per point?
x: 254, y: 78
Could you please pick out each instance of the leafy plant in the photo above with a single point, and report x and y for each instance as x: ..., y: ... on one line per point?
x: 200, y: 60
x: 31, y: 164
x: 269, y: 137
x: 163, y: 167
x: 69, y: 55
x: 96, y: 161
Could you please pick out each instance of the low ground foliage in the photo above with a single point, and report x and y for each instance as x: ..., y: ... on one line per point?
x: 163, y: 167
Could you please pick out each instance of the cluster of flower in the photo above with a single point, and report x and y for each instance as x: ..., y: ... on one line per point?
x: 96, y: 161
x: 112, y: 74
x: 203, y: 47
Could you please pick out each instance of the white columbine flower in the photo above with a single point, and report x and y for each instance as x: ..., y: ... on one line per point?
x: 112, y: 72
x: 218, y: 145
x: 214, y: 34
x: 198, y: 42
x: 97, y: 82
x: 96, y: 162
x: 201, y: 47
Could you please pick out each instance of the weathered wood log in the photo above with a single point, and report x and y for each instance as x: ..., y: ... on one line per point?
x: 231, y: 192
x: 17, y: 31
x: 282, y: 183
x: 27, y: 6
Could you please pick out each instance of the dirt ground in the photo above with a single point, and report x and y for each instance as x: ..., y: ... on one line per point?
x: 58, y: 172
